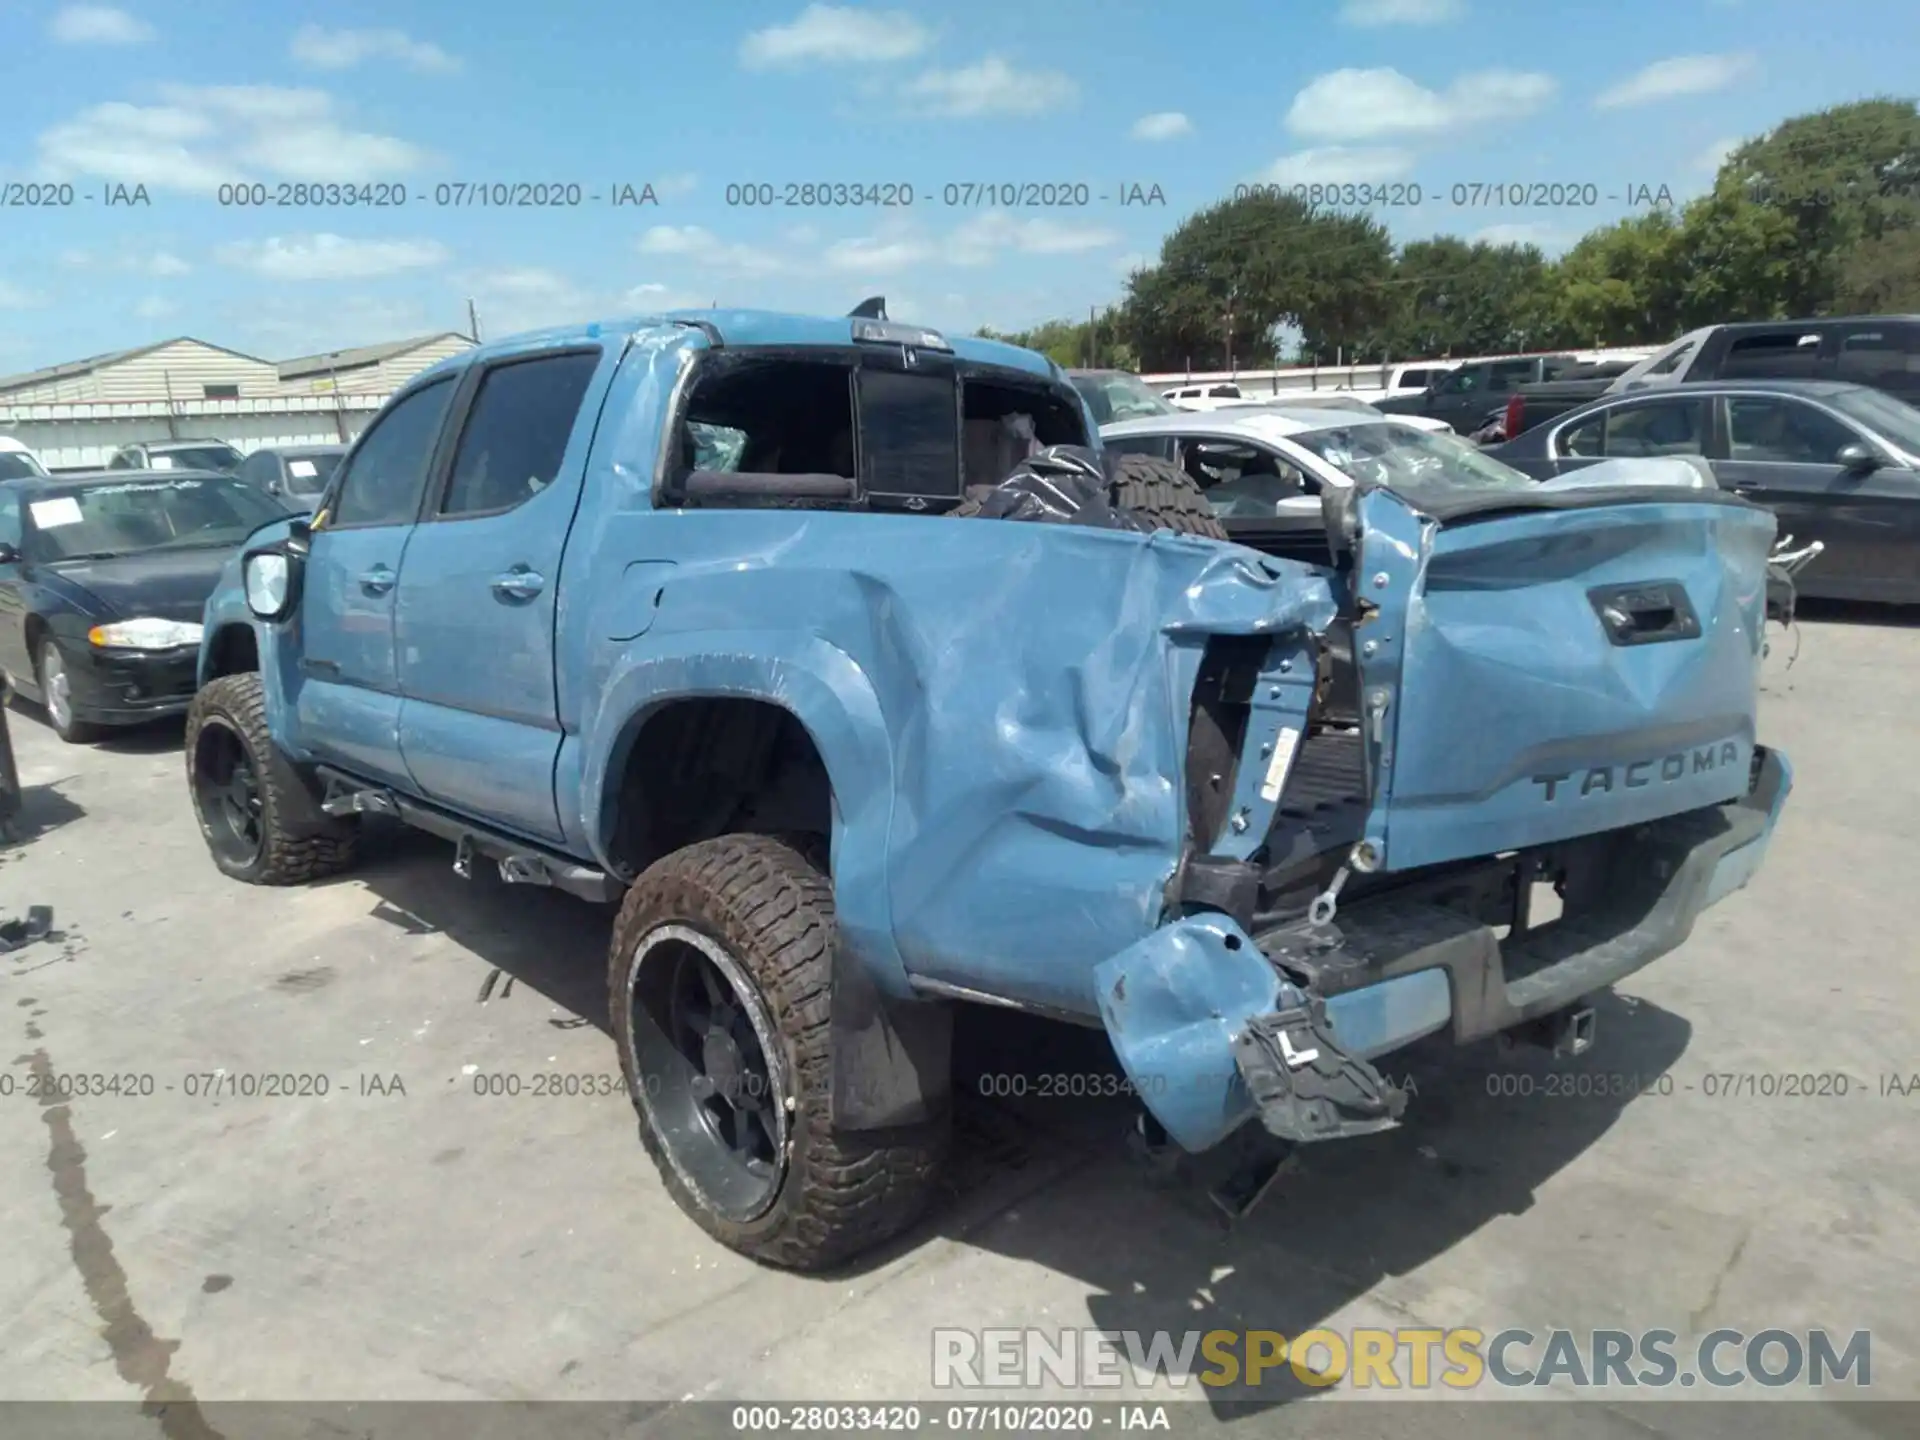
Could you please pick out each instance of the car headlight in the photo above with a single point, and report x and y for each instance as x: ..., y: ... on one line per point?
x: 145, y: 633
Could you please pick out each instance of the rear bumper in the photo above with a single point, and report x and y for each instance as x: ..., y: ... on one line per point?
x: 1216, y: 1026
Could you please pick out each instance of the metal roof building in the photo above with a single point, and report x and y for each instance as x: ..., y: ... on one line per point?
x: 75, y: 415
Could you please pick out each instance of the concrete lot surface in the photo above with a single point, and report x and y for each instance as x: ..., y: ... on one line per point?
x: 405, y: 1238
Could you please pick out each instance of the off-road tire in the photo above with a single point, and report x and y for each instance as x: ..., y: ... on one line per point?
x: 1166, y: 495
x: 1156, y: 489
x: 238, y: 704
x: 771, y: 908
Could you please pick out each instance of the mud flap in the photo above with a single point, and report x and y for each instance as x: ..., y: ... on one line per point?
x: 1304, y: 1085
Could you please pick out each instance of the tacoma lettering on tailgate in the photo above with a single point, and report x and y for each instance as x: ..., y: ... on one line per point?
x: 1642, y: 773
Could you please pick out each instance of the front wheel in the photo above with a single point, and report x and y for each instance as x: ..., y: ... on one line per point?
x: 56, y: 696
x: 244, y: 792
x: 720, y: 979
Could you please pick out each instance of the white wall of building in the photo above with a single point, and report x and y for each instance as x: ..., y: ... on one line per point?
x: 75, y: 435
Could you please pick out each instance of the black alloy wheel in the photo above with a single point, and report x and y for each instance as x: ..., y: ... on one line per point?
x: 708, y: 1060
x: 226, y: 788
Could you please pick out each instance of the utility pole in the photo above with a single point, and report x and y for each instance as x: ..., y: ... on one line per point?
x: 473, y: 322
x: 1226, y: 322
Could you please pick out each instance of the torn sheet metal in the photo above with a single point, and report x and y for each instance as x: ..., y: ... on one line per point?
x: 1002, y: 708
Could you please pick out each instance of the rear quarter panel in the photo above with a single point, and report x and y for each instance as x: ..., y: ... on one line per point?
x: 1001, y: 706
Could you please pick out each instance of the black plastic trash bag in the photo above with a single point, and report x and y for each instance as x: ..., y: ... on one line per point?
x: 1060, y: 485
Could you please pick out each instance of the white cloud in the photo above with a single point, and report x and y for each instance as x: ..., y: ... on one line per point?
x: 1372, y: 104
x: 328, y: 153
x: 992, y: 87
x: 1339, y: 165
x: 98, y: 25
x: 150, y: 145
x: 692, y: 242
x: 1167, y: 125
x: 672, y: 187
x: 1715, y: 155
x: 160, y: 264
x: 653, y: 297
x: 155, y: 307
x: 980, y: 239
x: 1371, y: 13
x: 869, y: 255
x: 330, y: 257
x: 205, y: 136
x: 12, y: 297
x: 836, y: 35
x: 343, y: 49
x: 308, y: 322
x: 1681, y: 75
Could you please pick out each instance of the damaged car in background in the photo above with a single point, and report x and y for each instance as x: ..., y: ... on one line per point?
x: 870, y: 683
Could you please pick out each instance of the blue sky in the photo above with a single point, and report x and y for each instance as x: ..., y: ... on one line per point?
x: 185, y: 97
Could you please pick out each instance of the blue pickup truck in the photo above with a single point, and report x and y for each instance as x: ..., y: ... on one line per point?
x: 714, y: 615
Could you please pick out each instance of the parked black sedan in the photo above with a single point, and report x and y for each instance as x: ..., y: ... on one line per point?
x: 103, y: 579
x: 293, y: 474
x: 1837, y: 463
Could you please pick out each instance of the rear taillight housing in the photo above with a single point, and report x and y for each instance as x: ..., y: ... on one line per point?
x: 1510, y: 422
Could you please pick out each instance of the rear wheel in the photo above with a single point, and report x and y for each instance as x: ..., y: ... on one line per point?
x: 244, y: 791
x: 720, y: 980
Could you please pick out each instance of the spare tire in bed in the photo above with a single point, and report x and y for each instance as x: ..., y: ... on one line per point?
x: 1165, y: 494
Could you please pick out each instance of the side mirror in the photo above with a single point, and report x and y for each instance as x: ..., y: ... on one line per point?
x: 272, y: 574
x: 1858, y: 458
x: 8, y: 554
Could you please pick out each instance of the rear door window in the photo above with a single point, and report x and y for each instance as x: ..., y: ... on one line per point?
x: 1783, y: 432
x: 1883, y: 356
x: 516, y: 433
x: 1772, y: 355
x: 1504, y: 375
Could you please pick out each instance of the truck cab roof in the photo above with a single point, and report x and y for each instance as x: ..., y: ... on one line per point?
x: 761, y: 329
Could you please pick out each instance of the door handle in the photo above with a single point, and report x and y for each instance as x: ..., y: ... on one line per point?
x: 377, y: 581
x: 519, y: 583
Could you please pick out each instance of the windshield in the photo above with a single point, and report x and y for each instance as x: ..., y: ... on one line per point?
x: 15, y: 465
x: 1118, y: 396
x: 307, y: 475
x: 197, y: 457
x: 1408, y: 460
x: 138, y: 516
x: 1882, y: 414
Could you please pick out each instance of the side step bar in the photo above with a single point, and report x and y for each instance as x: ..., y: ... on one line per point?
x: 521, y: 862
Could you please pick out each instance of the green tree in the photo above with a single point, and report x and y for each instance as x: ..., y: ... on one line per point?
x: 1230, y: 275
x: 1460, y: 297
x: 1842, y: 177
x: 1620, y: 284
x: 1881, y: 277
x: 1737, y: 261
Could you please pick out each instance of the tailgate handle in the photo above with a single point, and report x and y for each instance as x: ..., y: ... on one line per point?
x: 1647, y: 613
